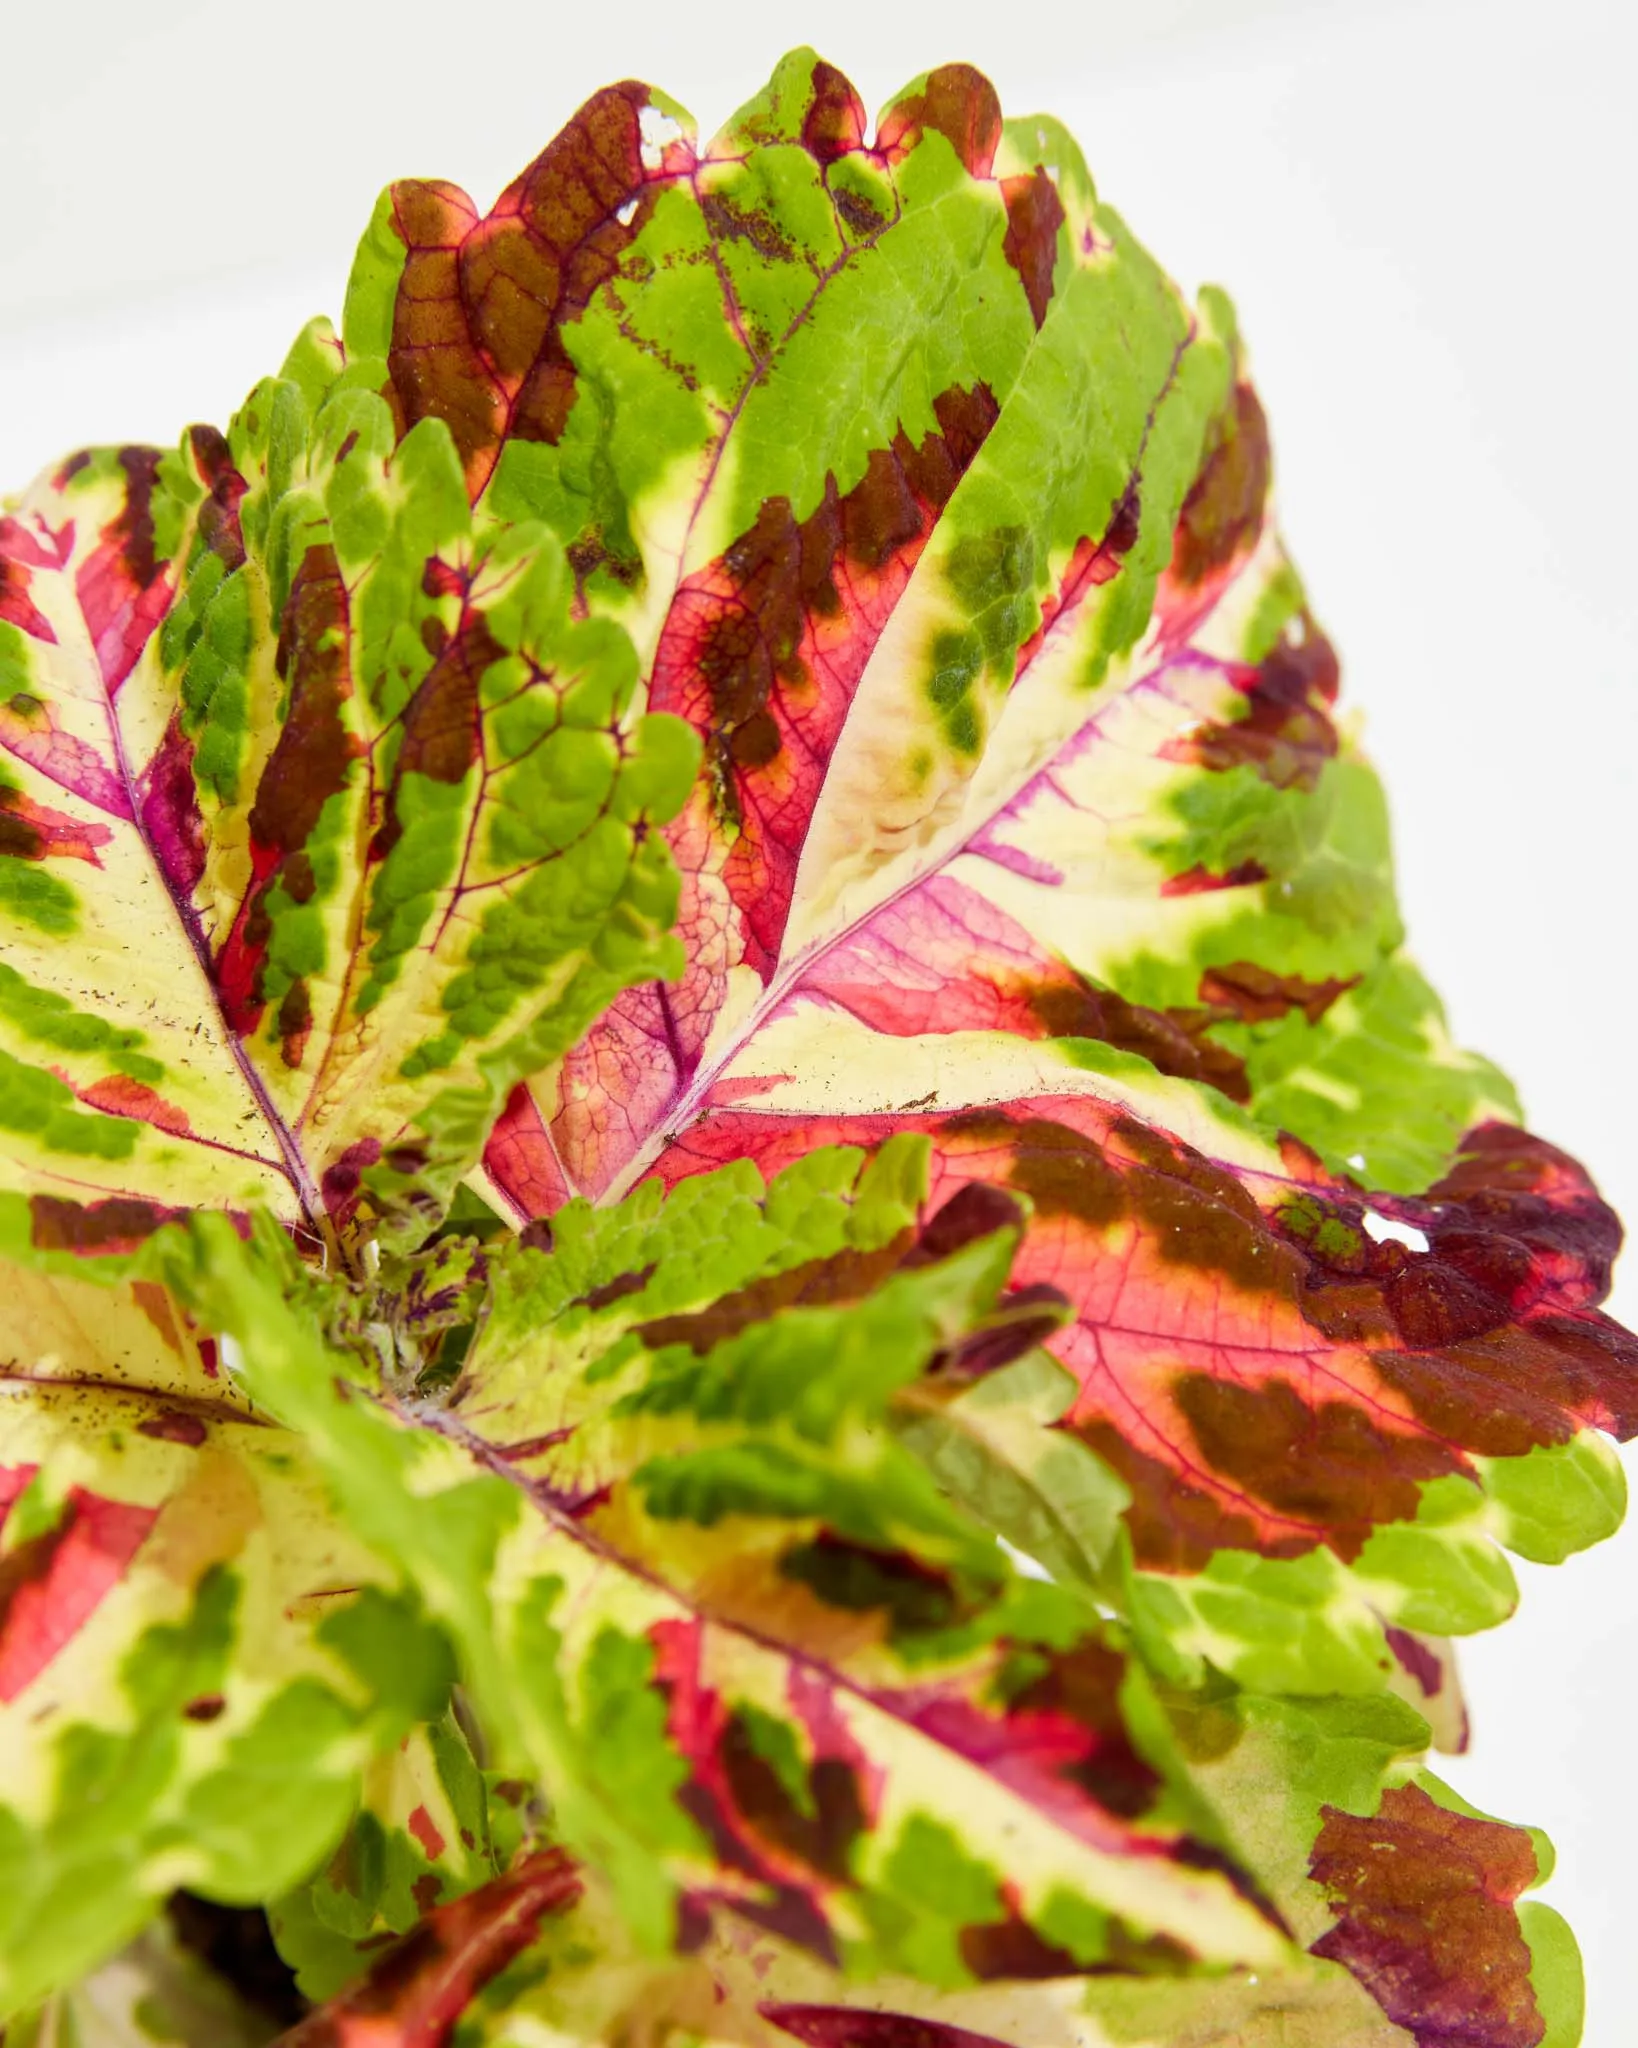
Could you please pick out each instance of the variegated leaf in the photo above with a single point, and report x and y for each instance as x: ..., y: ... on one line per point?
x: 1376, y: 1870
x: 843, y: 1550
x: 758, y: 1663
x: 321, y: 820
x: 197, y: 1656
x: 1025, y: 821
x: 421, y: 1837
x: 1380, y: 1867
x: 580, y: 1980
x: 154, y: 1994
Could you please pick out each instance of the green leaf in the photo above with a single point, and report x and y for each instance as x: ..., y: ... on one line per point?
x: 420, y: 1837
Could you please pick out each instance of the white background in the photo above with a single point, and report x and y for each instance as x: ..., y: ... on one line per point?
x: 1424, y: 214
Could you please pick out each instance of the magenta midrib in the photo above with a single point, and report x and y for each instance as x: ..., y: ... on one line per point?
x: 683, y: 1107
x: 293, y: 1165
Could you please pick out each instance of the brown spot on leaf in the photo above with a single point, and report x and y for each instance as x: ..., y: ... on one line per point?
x: 1012, y: 1948
x: 1199, y: 1214
x: 1286, y: 732
x: 863, y: 219
x: 1199, y: 881
x: 1252, y: 995
x: 299, y: 879
x: 856, y: 1578
x: 593, y: 551
x: 821, y: 1830
x: 442, y: 736
x: 1223, y: 512
x: 442, y: 723
x: 1426, y: 1920
x: 1174, y: 1041
x: 1034, y: 215
x: 1330, y: 1466
x: 218, y: 516
x: 1175, y: 1526
x: 728, y: 221
x: 295, y: 1022
x: 207, y: 1707
x: 619, y: 1288
x: 119, y: 1223
x: 1063, y: 1171
x: 844, y: 1276
x: 1504, y: 1395
x: 958, y: 103
x: 1083, y: 1686
x: 835, y: 120
x: 172, y: 1426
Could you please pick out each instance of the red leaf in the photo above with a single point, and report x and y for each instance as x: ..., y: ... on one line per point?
x: 1261, y: 1373
x: 1427, y: 1925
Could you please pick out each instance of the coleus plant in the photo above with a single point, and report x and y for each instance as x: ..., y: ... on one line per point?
x: 748, y: 1298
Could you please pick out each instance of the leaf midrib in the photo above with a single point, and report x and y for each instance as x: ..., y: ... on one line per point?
x: 290, y: 1162
x: 685, y: 1107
